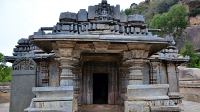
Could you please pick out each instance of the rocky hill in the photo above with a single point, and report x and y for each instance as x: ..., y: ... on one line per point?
x: 192, y: 32
x: 149, y: 8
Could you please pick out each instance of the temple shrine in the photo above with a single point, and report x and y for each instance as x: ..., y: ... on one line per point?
x: 98, y: 59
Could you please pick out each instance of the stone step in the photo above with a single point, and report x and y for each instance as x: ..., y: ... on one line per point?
x: 166, y: 109
x: 99, y: 107
x: 100, y: 111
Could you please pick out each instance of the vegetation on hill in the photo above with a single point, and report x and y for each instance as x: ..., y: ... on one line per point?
x: 150, y: 9
x: 170, y: 17
x: 194, y: 12
x: 190, y: 51
x: 5, y: 71
x: 171, y: 23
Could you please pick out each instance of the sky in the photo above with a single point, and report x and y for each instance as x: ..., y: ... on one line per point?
x: 20, y: 18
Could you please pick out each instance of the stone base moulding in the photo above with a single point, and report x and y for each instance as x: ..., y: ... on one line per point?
x: 53, y: 99
x: 147, y: 92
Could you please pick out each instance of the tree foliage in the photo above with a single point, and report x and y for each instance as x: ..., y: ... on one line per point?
x: 5, y: 71
x: 189, y: 50
x: 171, y: 23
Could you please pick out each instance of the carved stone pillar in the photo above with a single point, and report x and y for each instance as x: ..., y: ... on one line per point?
x: 66, y: 76
x: 134, y: 59
x: 64, y: 51
x: 136, y: 74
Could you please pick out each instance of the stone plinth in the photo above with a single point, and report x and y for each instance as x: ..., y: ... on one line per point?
x: 52, y: 92
x: 147, y: 92
x: 149, y: 98
x: 53, y: 99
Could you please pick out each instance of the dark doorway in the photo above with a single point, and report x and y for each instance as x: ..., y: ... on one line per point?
x: 100, y: 88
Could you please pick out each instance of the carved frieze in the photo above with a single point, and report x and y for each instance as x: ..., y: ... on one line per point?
x: 137, y: 53
x: 101, y: 46
x: 24, y: 64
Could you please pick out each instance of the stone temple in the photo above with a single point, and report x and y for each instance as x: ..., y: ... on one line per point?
x: 98, y: 59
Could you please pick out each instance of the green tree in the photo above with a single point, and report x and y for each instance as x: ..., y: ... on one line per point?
x: 189, y: 50
x: 5, y: 71
x: 171, y: 23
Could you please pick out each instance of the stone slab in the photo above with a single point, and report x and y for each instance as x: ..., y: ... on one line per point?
x: 147, y: 92
x: 136, y: 106
x: 21, y: 92
x: 58, y: 106
x: 49, y: 92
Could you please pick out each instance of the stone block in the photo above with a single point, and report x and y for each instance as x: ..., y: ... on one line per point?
x: 136, y: 106
x: 116, y: 27
x: 65, y: 27
x: 137, y: 29
x: 136, y: 18
x: 128, y: 30
x: 117, y: 12
x: 21, y: 93
x: 82, y: 15
x: 191, y: 97
x: 103, y: 26
x: 123, y: 18
x: 122, y: 29
x: 67, y: 17
x: 94, y: 26
x: 52, y: 106
x: 91, y: 12
x: 147, y: 92
x: 135, y: 82
x: 50, y: 92
x: 59, y: 27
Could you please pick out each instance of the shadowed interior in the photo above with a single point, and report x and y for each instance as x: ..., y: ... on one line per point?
x: 100, y: 88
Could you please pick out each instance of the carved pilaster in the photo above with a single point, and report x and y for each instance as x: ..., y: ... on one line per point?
x: 154, y: 73
x: 124, y: 71
x: 77, y: 79
x: 173, y: 81
x: 44, y: 73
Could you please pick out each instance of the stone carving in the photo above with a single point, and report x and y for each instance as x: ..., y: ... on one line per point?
x: 24, y: 64
x: 44, y: 73
x: 100, y: 19
x: 171, y: 53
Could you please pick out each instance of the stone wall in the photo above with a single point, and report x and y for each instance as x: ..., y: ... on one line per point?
x: 189, y: 80
x: 4, y: 92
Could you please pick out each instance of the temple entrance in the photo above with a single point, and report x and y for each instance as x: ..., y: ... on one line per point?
x: 100, y: 83
x: 100, y: 88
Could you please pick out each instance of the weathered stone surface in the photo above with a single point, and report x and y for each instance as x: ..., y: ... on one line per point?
x: 82, y: 15
x: 192, y: 35
x: 117, y: 12
x: 136, y: 106
x: 23, y: 79
x: 57, y: 99
x: 147, y: 92
x: 136, y: 18
x: 123, y: 17
x: 54, y: 79
x: 68, y: 16
x: 48, y: 92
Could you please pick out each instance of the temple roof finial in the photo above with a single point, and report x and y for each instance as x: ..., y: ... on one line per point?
x: 103, y: 1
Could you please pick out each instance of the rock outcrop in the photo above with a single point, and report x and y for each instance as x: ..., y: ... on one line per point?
x: 192, y: 4
x: 192, y: 34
